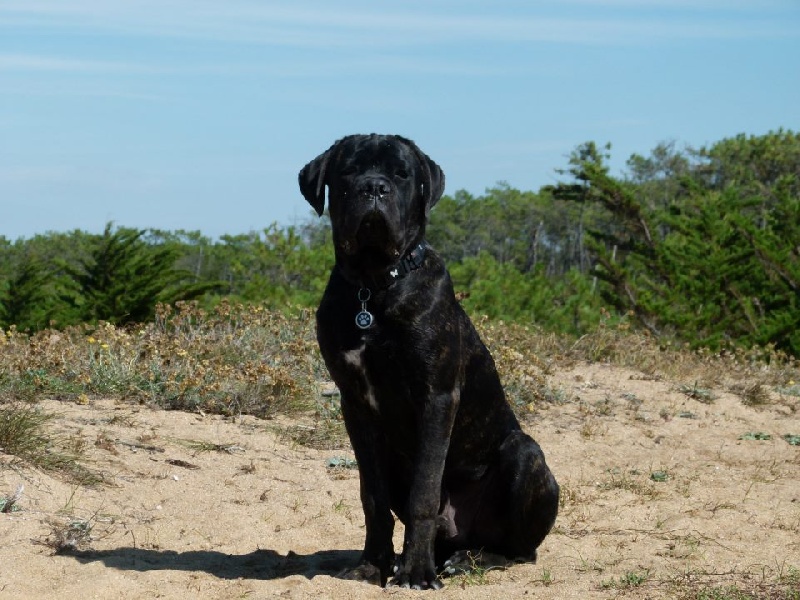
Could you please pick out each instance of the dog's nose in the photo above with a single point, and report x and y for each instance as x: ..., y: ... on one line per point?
x: 374, y: 187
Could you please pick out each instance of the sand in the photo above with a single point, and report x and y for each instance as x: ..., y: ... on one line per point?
x: 660, y: 495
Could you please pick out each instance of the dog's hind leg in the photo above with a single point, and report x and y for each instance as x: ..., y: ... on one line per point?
x: 520, y: 501
x: 533, y: 495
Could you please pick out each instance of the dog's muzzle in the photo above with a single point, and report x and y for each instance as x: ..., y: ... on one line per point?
x: 373, y: 187
x: 374, y: 231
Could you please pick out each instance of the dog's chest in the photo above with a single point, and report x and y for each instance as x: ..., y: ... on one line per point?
x: 355, y: 362
x: 379, y: 376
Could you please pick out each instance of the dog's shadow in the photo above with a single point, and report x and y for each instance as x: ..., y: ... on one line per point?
x: 261, y: 564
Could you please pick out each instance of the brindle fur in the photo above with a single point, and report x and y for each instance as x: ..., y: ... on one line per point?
x: 436, y: 441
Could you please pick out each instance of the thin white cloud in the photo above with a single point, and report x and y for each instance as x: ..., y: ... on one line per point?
x: 80, y: 89
x: 87, y: 176
x: 691, y: 5
x: 514, y: 148
x: 30, y: 62
x: 362, y: 24
x: 28, y: 174
x: 295, y: 68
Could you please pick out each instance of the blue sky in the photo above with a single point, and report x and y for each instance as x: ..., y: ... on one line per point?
x: 197, y: 115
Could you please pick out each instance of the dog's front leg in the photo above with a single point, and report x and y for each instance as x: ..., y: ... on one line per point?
x: 416, y: 568
x: 378, y: 548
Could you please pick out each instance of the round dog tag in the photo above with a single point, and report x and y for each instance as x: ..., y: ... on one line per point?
x: 364, y: 319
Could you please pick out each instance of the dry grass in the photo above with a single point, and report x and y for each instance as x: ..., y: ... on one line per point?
x: 24, y: 434
x: 732, y: 586
x: 233, y: 360
x: 246, y: 360
x: 230, y: 361
x: 525, y: 356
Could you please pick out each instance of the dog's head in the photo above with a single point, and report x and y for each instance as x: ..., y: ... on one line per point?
x: 380, y: 191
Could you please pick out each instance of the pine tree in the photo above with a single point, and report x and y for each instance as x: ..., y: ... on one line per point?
x: 26, y: 300
x: 718, y: 262
x: 122, y: 278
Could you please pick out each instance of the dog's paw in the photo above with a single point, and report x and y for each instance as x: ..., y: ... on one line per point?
x: 469, y: 561
x: 415, y: 579
x: 366, y: 572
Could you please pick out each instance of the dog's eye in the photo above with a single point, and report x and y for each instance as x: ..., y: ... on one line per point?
x: 348, y: 171
x: 402, y: 174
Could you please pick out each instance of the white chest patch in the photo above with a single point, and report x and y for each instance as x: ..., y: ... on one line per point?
x: 355, y: 358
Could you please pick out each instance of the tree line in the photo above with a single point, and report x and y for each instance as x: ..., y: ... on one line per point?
x: 695, y: 244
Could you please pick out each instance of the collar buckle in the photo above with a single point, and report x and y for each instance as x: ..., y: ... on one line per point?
x: 410, y: 262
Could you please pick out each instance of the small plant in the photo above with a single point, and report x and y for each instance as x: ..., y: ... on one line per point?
x: 337, y: 462
x: 325, y: 434
x: 730, y: 592
x: 792, y: 578
x: 630, y: 481
x: 633, y: 579
x: 704, y: 586
x: 695, y: 392
x: 248, y: 469
x: 630, y: 579
x: 791, y: 389
x: 603, y: 407
x: 69, y: 537
x: 24, y: 434
x: 659, y: 476
x: 467, y: 568
x: 10, y: 503
x: 198, y: 446
x: 755, y: 394
x: 22, y: 431
x: 587, y: 566
x: 755, y: 435
x: 588, y: 430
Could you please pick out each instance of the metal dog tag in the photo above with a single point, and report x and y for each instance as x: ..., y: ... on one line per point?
x: 364, y: 319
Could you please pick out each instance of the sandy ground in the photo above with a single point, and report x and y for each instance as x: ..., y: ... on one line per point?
x: 205, y: 507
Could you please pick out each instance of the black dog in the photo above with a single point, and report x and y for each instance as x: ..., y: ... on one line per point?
x: 435, y: 439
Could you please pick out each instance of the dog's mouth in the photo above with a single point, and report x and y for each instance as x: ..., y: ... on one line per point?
x: 373, y: 231
x: 374, y: 244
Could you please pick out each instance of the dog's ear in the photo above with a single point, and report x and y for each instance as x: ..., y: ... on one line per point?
x: 312, y: 180
x: 434, y: 186
x: 432, y: 176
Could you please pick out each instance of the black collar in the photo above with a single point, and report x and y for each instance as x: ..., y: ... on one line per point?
x: 412, y: 261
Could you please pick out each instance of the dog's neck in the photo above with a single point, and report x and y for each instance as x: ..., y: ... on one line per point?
x: 411, y: 261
